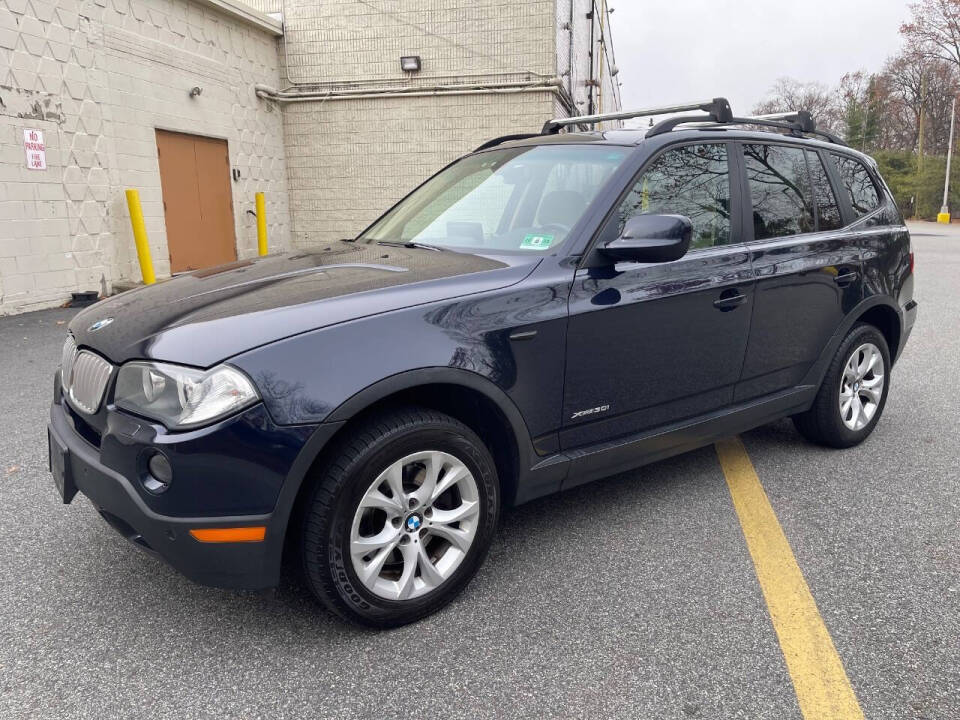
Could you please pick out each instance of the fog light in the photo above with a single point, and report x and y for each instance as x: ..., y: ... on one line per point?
x: 160, y: 474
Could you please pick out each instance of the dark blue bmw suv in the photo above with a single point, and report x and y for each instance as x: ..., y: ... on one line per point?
x: 545, y: 311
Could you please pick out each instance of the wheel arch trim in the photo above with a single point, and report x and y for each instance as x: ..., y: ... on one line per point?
x: 817, y: 371
x: 324, y: 433
x: 410, y: 379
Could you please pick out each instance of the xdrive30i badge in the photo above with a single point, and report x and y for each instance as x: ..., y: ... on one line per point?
x: 589, y: 411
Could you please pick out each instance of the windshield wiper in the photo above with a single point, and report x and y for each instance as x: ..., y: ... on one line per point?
x: 410, y: 244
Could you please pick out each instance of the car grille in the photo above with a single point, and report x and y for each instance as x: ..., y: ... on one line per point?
x: 84, y: 377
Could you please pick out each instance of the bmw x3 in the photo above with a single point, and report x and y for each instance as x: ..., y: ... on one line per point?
x: 545, y: 311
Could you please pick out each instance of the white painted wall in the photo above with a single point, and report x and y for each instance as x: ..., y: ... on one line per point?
x: 98, y: 77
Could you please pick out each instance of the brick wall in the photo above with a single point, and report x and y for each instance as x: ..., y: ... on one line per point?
x: 349, y: 160
x: 344, y: 41
x: 98, y: 77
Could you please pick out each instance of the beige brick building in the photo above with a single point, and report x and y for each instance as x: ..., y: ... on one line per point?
x: 306, y: 99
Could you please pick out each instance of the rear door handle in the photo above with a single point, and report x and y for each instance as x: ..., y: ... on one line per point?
x: 729, y: 300
x: 846, y: 278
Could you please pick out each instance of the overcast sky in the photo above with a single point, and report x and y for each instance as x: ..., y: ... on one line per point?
x: 682, y: 50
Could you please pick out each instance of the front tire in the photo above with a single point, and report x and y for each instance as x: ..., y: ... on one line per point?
x: 853, y: 392
x: 400, y: 518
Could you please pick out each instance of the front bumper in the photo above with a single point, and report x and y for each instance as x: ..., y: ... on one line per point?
x: 252, y: 565
x: 79, y: 466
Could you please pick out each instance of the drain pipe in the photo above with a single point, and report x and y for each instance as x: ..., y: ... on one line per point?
x: 553, y: 84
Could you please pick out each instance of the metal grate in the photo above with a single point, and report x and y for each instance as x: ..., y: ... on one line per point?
x: 85, y: 378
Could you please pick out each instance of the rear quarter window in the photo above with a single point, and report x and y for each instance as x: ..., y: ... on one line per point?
x: 856, y: 181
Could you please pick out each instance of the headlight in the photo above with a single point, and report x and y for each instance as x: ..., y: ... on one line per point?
x: 182, y: 397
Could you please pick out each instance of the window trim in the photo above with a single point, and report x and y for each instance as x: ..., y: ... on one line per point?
x: 587, y: 259
x: 881, y: 195
x: 818, y: 153
x: 749, y: 237
x: 833, y: 174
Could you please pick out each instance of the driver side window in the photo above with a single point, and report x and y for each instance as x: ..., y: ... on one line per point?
x: 693, y: 181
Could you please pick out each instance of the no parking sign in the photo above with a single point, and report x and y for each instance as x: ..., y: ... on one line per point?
x: 35, y: 149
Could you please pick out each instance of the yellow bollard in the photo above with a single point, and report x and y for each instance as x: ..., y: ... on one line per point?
x: 943, y: 217
x: 140, y: 237
x: 261, y: 224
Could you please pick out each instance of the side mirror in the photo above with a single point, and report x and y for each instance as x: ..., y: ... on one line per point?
x: 651, y: 238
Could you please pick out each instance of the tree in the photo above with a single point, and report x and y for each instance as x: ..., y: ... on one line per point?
x: 788, y: 94
x: 941, y: 88
x: 904, y: 76
x: 861, y: 103
x: 934, y: 29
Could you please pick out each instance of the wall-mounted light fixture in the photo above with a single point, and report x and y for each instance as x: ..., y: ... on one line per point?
x: 195, y: 91
x: 410, y: 63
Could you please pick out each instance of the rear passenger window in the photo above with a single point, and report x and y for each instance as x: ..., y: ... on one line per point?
x: 858, y: 184
x: 779, y: 190
x: 694, y: 181
x: 828, y: 212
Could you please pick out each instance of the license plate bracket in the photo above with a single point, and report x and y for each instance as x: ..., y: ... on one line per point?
x: 58, y: 457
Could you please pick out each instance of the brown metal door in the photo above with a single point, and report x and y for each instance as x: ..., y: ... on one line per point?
x: 197, y: 204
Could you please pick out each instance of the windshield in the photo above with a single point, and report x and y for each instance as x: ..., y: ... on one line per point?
x: 522, y: 199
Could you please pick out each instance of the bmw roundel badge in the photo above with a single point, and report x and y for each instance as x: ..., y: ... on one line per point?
x: 100, y: 324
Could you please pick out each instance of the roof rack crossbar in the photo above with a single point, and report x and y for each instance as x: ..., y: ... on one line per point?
x: 798, y: 122
x: 718, y: 110
x: 801, y: 118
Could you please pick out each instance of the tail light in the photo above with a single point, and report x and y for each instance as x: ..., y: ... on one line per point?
x: 911, y: 262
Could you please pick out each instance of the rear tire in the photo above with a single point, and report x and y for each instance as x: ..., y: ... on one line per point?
x: 400, y: 518
x: 853, y: 392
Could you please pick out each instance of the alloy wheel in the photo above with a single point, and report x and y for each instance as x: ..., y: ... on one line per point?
x: 414, y: 525
x: 861, y: 387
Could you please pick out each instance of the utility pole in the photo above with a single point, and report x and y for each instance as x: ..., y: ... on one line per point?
x: 923, y: 103
x: 944, y: 216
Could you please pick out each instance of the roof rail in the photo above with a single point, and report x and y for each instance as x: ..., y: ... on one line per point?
x: 718, y: 110
x: 505, y: 138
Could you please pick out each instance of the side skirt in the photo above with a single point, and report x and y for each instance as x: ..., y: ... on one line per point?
x: 583, y: 465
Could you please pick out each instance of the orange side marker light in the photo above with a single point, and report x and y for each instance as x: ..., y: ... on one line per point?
x: 226, y: 535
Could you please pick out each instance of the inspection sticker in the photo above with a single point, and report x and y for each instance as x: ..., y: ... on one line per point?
x: 536, y: 242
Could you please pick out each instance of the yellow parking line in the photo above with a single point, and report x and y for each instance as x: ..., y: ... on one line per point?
x: 819, y: 680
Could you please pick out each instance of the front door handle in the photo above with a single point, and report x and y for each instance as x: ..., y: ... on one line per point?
x: 847, y: 278
x: 729, y: 300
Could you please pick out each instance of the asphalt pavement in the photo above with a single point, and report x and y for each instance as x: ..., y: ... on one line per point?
x: 633, y: 597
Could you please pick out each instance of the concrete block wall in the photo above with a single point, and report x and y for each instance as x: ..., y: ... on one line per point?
x: 349, y: 160
x: 98, y: 77
x: 356, y: 41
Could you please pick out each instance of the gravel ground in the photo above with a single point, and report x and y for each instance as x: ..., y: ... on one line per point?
x: 633, y: 597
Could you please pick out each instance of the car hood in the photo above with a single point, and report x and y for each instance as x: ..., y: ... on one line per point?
x: 207, y: 316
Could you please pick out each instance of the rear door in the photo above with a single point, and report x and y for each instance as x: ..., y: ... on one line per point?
x: 808, y: 268
x: 649, y: 344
